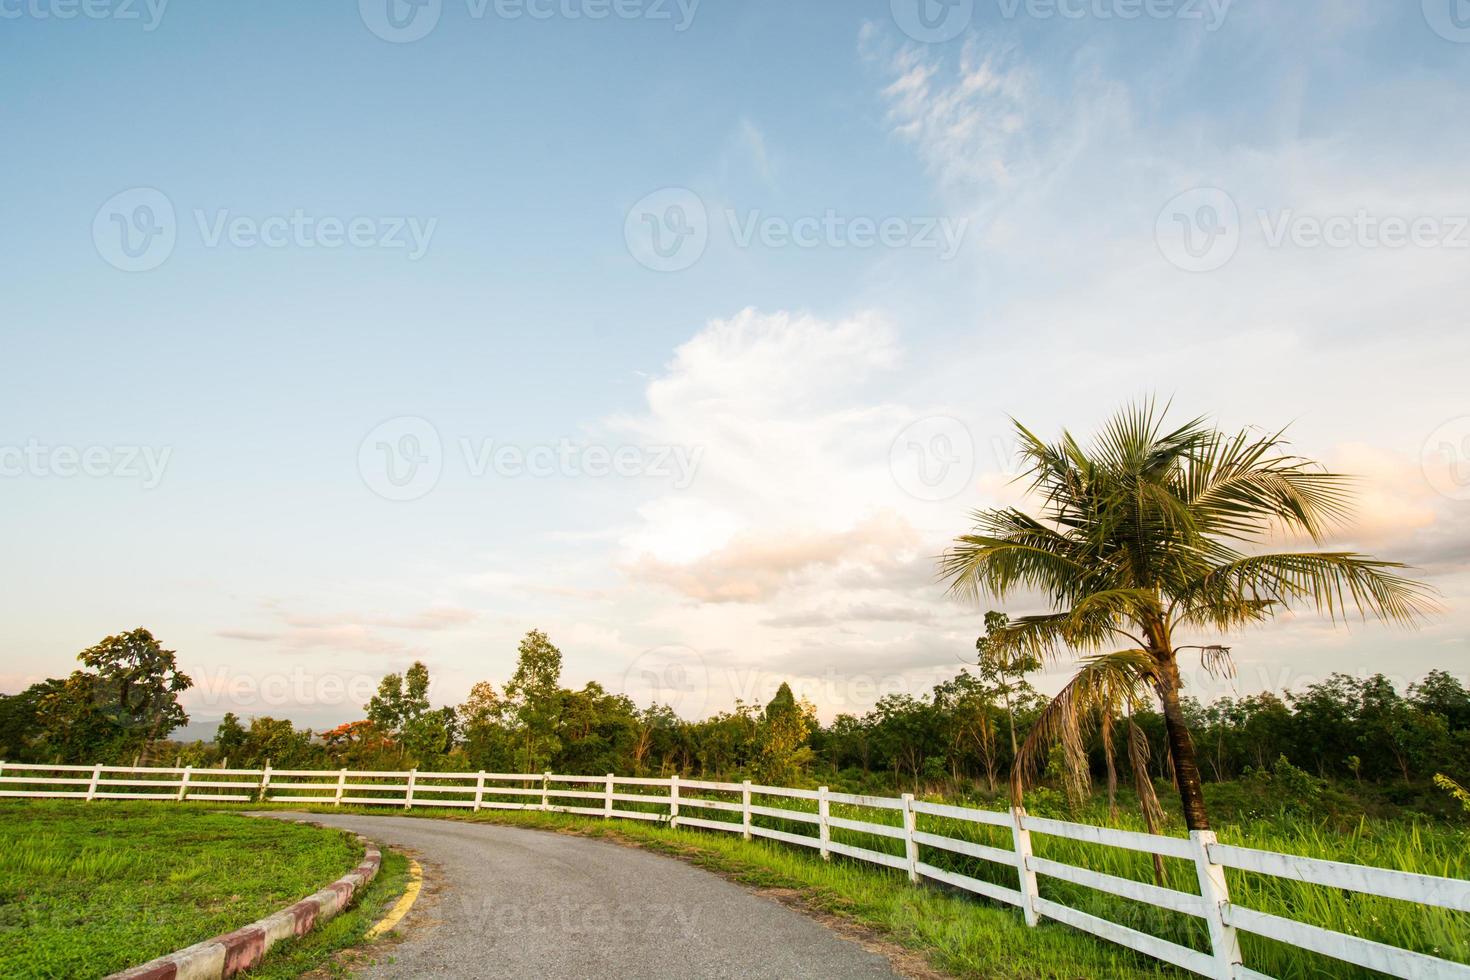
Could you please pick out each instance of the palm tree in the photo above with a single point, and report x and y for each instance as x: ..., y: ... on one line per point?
x: 1153, y: 532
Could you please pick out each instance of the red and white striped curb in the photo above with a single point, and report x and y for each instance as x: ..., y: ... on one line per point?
x: 227, y: 955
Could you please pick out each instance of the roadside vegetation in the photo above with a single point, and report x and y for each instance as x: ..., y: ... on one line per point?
x: 86, y: 890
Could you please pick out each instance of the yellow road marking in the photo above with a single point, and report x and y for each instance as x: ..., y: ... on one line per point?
x: 400, y: 908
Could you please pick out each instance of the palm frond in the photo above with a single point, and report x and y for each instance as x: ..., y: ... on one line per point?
x: 1008, y: 551
x: 1241, y: 485
x: 1118, y: 679
x: 1332, y: 583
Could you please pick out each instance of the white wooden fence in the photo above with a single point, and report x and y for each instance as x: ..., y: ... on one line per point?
x: 670, y: 801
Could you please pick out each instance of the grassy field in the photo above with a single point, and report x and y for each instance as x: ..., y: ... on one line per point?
x: 88, y: 890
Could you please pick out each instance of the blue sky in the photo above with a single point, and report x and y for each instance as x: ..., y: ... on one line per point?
x: 496, y: 167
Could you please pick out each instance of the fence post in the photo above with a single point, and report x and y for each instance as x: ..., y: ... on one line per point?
x: 479, y: 789
x: 545, y: 790
x: 413, y: 775
x: 745, y: 809
x: 341, y: 785
x: 674, y: 800
x: 1021, y: 837
x: 91, y: 787
x: 911, y: 846
x: 824, y: 829
x: 184, y: 783
x: 607, y: 800
x: 1212, y: 888
x: 265, y: 780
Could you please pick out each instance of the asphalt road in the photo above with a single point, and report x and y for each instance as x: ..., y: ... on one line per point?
x: 508, y: 902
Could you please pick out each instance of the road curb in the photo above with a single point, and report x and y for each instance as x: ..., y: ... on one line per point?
x: 227, y: 955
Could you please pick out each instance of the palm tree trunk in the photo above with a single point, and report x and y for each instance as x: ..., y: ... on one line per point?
x: 1181, y: 748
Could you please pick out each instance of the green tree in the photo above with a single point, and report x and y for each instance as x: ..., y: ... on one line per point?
x: 229, y: 737
x: 965, y: 707
x: 280, y: 742
x: 401, y: 698
x: 726, y: 742
x: 1442, y: 694
x: 1004, y: 670
x: 783, y: 752
x: 534, y: 695
x: 905, y: 733
x: 1149, y: 534
x: 21, y: 720
x: 129, y: 699
x: 77, y: 723
x: 595, y: 730
x: 482, y: 724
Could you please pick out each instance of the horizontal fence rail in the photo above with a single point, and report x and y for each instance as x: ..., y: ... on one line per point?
x: 671, y: 800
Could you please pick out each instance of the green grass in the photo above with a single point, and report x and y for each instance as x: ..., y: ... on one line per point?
x: 86, y: 890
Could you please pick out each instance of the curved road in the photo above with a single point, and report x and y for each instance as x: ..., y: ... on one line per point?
x: 507, y: 902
